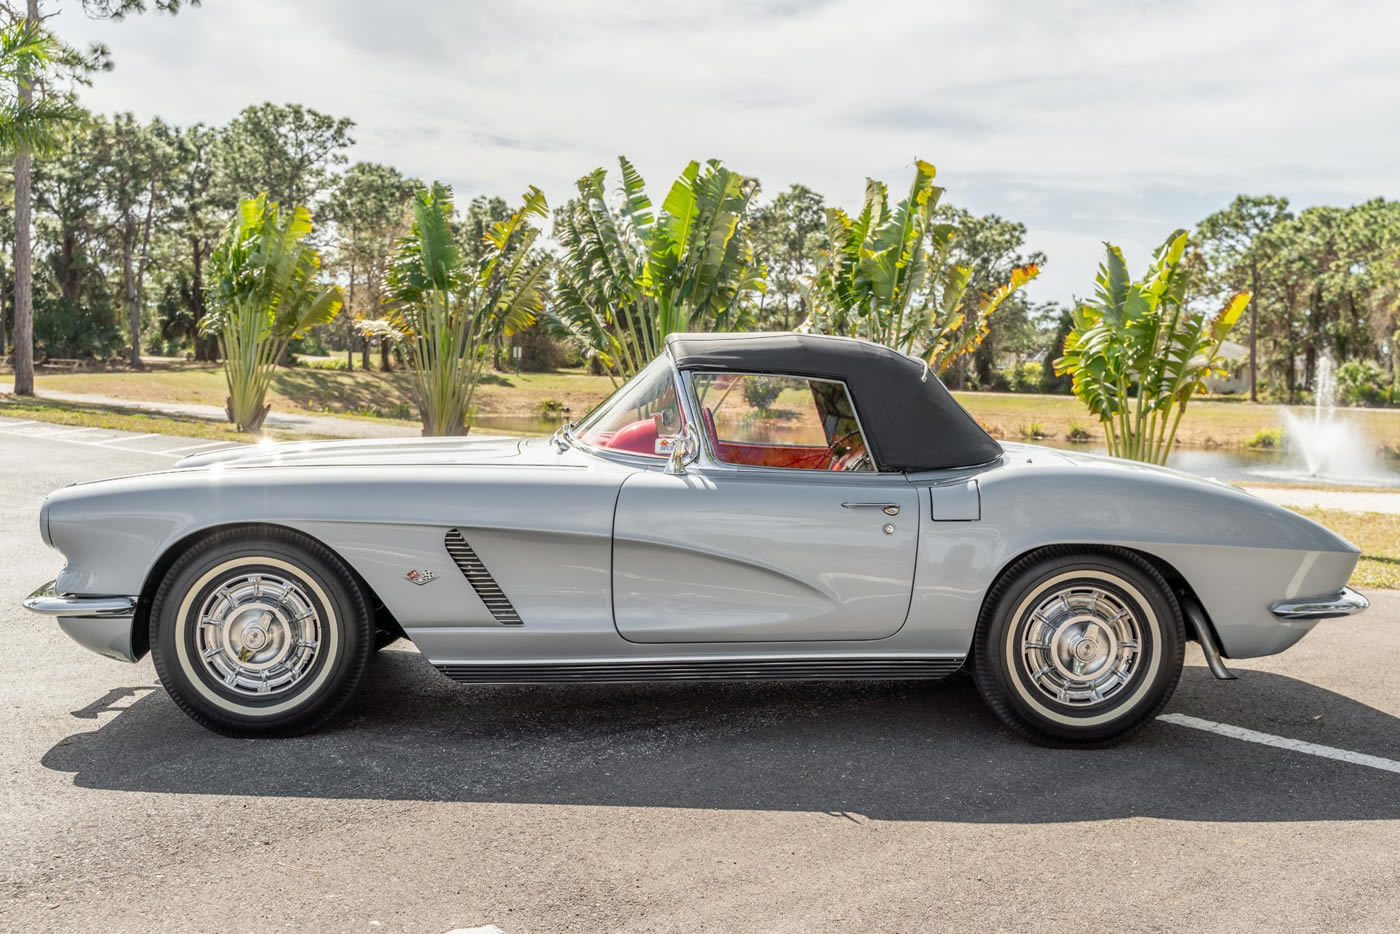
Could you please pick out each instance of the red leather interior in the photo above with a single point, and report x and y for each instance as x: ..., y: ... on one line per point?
x: 774, y: 455
x: 707, y: 415
x: 764, y: 455
x: 638, y: 437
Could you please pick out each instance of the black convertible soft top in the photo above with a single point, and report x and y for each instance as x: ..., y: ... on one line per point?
x: 912, y: 422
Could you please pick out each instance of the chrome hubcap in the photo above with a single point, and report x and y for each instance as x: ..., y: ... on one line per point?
x: 258, y: 634
x: 1081, y: 645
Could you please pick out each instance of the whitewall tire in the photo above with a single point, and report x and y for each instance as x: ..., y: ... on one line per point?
x: 1079, y: 648
x: 260, y: 632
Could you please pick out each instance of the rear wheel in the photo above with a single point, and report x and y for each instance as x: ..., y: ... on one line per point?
x: 260, y: 633
x: 1079, y: 649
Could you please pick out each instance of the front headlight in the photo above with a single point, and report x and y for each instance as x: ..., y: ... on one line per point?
x: 44, y: 523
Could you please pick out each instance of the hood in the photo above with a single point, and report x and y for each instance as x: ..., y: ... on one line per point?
x: 376, y: 453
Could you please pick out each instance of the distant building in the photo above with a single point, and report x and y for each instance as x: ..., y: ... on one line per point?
x: 1236, y: 378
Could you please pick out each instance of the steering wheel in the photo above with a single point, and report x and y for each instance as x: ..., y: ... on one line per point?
x: 847, y: 456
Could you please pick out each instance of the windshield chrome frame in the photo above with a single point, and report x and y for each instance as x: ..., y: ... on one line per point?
x: 631, y: 457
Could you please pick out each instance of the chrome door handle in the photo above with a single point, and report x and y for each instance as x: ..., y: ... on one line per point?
x: 889, y: 509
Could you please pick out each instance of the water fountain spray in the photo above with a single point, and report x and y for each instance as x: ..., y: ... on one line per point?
x: 1326, y: 446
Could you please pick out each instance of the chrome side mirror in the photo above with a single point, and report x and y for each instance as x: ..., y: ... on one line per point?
x: 680, y: 449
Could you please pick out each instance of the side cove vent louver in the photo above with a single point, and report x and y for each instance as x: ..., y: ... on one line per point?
x: 481, y: 580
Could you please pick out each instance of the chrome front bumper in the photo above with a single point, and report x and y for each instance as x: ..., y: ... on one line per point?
x: 101, y: 624
x: 1344, y: 602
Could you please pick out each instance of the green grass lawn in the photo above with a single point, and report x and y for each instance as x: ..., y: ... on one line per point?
x: 338, y: 392
x: 88, y: 416
x: 1208, y: 422
x: 1378, y: 537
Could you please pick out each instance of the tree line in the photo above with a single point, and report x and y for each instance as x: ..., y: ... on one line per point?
x: 127, y: 214
x: 1326, y: 283
x: 114, y: 221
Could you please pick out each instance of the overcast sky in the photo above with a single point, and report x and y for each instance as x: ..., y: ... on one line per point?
x: 1087, y: 121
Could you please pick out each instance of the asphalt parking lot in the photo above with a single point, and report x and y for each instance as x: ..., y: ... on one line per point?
x: 431, y: 806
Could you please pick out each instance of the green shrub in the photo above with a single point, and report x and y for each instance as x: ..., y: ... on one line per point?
x: 1362, y: 382
x: 1032, y: 431
x: 1030, y: 377
x: 334, y: 363
x: 72, y: 329
x: 1024, y: 378
x: 1079, y: 433
x: 1267, y: 439
x: 400, y: 410
x: 540, y: 352
x: 548, y: 408
x: 309, y: 343
x: 159, y: 346
x: 761, y: 392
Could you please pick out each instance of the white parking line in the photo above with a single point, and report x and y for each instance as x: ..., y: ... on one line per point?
x: 1281, y: 742
x: 105, y: 445
x: 128, y: 438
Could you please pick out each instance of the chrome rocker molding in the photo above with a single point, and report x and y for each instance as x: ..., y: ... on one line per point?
x: 481, y: 580
x: 99, y: 624
x: 1344, y: 602
x: 701, y: 669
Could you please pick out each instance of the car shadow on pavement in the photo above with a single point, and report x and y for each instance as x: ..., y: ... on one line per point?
x: 882, y: 750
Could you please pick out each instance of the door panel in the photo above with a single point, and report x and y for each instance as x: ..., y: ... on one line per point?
x: 740, y: 556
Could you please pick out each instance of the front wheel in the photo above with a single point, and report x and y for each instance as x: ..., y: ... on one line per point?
x: 1079, y: 648
x: 261, y: 633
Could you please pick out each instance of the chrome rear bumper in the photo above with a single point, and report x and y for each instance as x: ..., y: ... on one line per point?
x: 100, y: 624
x: 1344, y: 602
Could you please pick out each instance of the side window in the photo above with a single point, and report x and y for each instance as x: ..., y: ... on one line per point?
x: 780, y: 421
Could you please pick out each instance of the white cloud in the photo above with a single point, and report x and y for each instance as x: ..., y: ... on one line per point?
x: 1087, y: 121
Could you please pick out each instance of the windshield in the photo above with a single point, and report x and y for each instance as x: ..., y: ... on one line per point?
x: 637, y: 415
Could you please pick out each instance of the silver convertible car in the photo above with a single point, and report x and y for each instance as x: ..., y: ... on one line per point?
x: 749, y: 506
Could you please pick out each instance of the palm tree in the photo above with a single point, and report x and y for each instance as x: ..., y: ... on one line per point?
x: 887, y: 276
x: 1138, y: 353
x: 448, y: 311
x: 27, y: 126
x: 24, y: 122
x: 628, y: 277
x: 265, y: 293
